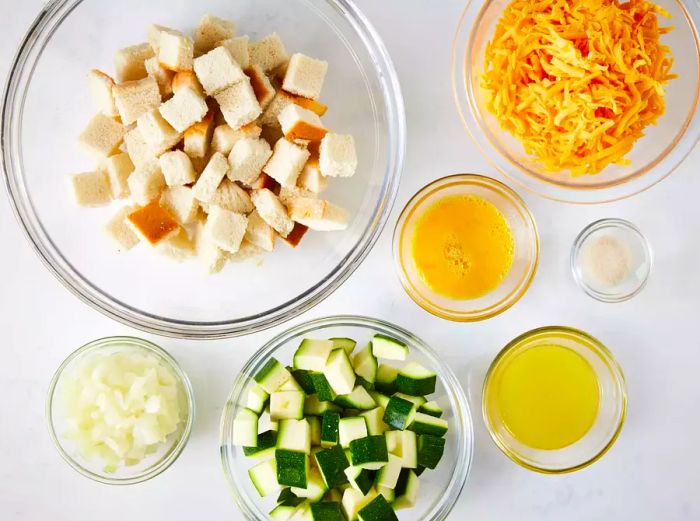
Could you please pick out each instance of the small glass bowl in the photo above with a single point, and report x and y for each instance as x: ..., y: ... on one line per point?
x: 439, y: 489
x: 611, y: 413
x: 154, y: 463
x: 526, y: 254
x: 640, y: 258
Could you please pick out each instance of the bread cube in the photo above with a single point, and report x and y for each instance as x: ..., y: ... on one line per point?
x: 224, y: 137
x: 102, y: 136
x: 305, y: 76
x: 232, y: 197
x: 317, y: 214
x: 262, y: 87
x: 271, y: 115
x: 217, y: 70
x: 260, y: 233
x: 119, y: 168
x: 268, y: 52
x: 286, y: 162
x: 177, y: 168
x: 152, y: 223
x: 181, y: 203
x: 300, y: 123
x: 184, y: 109
x: 246, y: 252
x: 272, y: 211
x: 129, y: 62
x: 311, y: 178
x: 211, y: 177
x: 146, y: 183
x: 210, y: 31
x: 179, y: 247
x: 175, y: 50
x: 247, y: 159
x: 199, y: 136
x: 120, y: 232
x: 295, y: 236
x: 187, y: 79
x: 153, y: 35
x: 286, y: 195
x: 137, y: 148
x: 313, y: 105
x: 226, y: 229
x: 238, y: 104
x: 164, y: 77
x: 156, y: 132
x: 100, y: 86
x: 135, y: 98
x: 238, y: 47
x: 337, y: 155
x: 212, y: 257
x: 91, y: 188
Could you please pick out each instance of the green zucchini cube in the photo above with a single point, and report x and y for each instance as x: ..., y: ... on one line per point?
x: 430, y: 450
x: 377, y: 510
x: 399, y: 413
x: 332, y: 463
x: 416, y: 380
x: 369, y: 452
x: 326, y: 511
x: 292, y: 468
x: 266, y: 440
x: 329, y: 428
x: 360, y: 479
x: 322, y: 388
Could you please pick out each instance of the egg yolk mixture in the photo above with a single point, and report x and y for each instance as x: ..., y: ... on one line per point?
x: 546, y: 396
x: 462, y: 247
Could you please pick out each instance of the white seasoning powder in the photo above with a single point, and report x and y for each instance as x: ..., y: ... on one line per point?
x: 606, y: 261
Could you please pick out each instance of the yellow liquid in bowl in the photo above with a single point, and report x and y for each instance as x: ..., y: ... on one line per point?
x: 546, y: 396
x: 462, y: 247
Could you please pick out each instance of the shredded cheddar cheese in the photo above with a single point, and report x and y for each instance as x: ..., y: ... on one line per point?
x: 577, y: 81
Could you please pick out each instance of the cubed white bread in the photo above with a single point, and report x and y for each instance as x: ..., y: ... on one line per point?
x: 305, y: 76
x: 271, y: 115
x: 247, y: 158
x: 119, y: 168
x: 100, y: 86
x: 225, y: 228
x: 163, y: 76
x: 177, y: 168
x: 146, y: 183
x: 260, y: 233
x: 286, y: 163
x: 153, y: 35
x: 187, y: 79
x: 238, y: 104
x: 129, y: 62
x: 175, y: 50
x: 181, y: 203
x: 152, y: 223
x: 232, y: 197
x: 262, y: 86
x: 102, y: 136
x: 210, y: 31
x: 211, y: 177
x: 238, y: 47
x: 211, y: 256
x: 135, y: 98
x: 157, y: 132
x: 311, y: 178
x: 268, y: 52
x: 179, y: 247
x: 225, y: 137
x: 286, y: 195
x: 246, y: 252
x: 337, y: 155
x: 199, y: 136
x: 137, y: 148
x: 272, y: 211
x: 120, y: 232
x: 300, y: 123
x: 217, y: 70
x: 184, y: 109
x: 317, y: 214
x: 91, y: 188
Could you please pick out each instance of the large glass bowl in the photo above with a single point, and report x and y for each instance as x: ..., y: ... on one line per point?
x: 46, y: 105
x: 653, y: 157
x: 439, y: 489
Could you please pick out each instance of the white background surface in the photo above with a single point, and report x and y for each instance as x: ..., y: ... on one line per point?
x: 653, y: 472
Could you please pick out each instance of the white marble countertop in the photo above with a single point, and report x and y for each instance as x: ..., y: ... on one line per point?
x: 651, y: 473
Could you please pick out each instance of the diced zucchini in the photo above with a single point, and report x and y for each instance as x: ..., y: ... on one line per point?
x: 389, y: 348
x: 354, y: 500
x: 283, y: 513
x: 369, y: 452
x: 322, y: 388
x: 393, y: 443
x: 399, y: 413
x: 292, y: 468
x: 312, y: 354
x: 359, y: 398
x: 350, y: 429
x: 326, y: 511
x: 415, y: 400
x: 377, y: 510
x: 375, y: 421
x: 406, y: 491
x: 430, y: 450
x: 266, y: 440
x: 408, y: 449
x: 425, y: 424
x: 315, y: 407
x: 348, y: 344
x: 416, y: 380
x: 364, y: 383
x: 315, y: 487
x: 365, y: 364
x: 303, y: 378
x: 329, y: 428
x: 256, y: 398
x: 339, y: 372
x: 386, y: 379
x: 272, y: 376
x: 287, y: 497
x: 245, y: 428
x: 315, y: 430
x: 381, y: 399
x: 360, y: 479
x: 294, y: 435
x: 285, y: 405
x: 332, y: 463
x: 388, y: 493
x: 264, y: 477
x: 431, y: 408
x: 388, y: 475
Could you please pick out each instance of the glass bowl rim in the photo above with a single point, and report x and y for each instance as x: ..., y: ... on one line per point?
x: 18, y: 81
x: 163, y: 355
x: 467, y: 179
x: 465, y: 446
x: 609, y: 360
x: 660, y: 167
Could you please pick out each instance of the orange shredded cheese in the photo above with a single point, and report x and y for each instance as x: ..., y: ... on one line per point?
x: 577, y: 81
